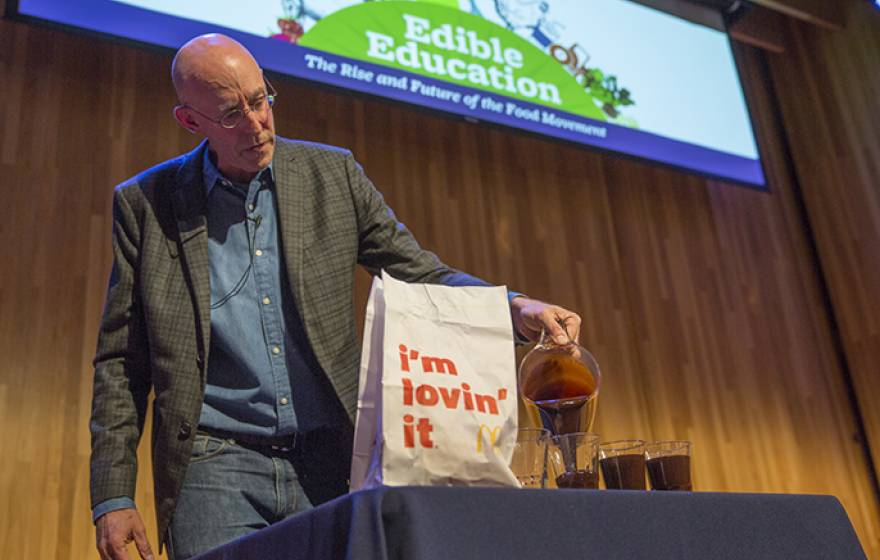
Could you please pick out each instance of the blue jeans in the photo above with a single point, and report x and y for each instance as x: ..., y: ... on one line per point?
x: 230, y: 491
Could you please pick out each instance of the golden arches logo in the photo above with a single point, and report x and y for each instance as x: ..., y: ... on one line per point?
x: 491, y: 432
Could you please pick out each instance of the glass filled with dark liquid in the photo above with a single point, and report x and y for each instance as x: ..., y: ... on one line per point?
x: 562, y: 380
x: 623, y: 464
x: 669, y: 465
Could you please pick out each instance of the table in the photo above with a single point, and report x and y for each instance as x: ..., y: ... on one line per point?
x: 501, y: 524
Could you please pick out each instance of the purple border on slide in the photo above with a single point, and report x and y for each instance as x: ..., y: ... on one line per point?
x: 114, y: 18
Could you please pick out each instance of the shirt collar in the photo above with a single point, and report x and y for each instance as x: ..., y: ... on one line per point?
x: 210, y: 173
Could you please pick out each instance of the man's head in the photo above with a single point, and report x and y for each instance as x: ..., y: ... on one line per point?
x: 214, y: 75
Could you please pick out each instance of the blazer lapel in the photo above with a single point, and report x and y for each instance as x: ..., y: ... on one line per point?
x: 289, y: 192
x: 189, y: 201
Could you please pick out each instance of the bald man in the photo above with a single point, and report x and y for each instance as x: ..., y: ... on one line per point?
x: 230, y: 299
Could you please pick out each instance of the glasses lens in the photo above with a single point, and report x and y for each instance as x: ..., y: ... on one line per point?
x: 233, y: 117
x: 271, y: 94
x: 230, y: 119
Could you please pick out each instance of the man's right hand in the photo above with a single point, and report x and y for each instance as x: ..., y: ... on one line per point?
x: 115, y: 529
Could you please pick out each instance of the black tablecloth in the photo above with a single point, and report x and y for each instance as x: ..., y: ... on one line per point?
x: 496, y: 524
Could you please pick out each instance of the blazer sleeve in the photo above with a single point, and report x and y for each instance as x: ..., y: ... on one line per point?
x: 121, y: 367
x: 385, y: 243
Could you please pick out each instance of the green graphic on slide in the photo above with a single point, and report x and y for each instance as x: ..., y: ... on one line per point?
x: 432, y: 40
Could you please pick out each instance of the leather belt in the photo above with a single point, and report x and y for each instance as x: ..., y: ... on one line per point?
x: 291, y: 442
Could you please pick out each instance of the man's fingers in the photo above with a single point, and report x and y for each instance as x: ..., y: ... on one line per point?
x: 556, y: 331
x: 141, y: 542
x: 529, y: 332
x: 573, y: 326
x: 117, y: 528
x: 118, y: 551
x: 531, y: 316
x: 104, y: 551
x: 564, y: 326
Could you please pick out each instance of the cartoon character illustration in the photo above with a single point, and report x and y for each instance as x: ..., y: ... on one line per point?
x: 299, y: 18
x: 531, y: 20
x: 522, y: 16
x: 291, y: 29
x: 527, y: 18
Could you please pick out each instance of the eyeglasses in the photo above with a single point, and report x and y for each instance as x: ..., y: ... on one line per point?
x: 231, y: 118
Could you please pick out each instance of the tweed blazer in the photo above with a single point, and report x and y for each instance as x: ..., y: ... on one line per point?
x: 155, y: 331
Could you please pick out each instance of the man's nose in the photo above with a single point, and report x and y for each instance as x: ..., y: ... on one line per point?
x: 252, y: 120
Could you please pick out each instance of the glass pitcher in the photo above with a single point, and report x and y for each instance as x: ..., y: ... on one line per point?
x: 563, y: 381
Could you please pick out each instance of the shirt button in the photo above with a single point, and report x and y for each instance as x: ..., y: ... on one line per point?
x: 251, y: 207
x: 258, y: 252
x: 276, y: 350
x: 266, y: 300
x: 284, y: 400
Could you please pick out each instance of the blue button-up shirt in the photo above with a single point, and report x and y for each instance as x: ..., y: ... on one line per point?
x: 248, y: 387
x: 262, y: 379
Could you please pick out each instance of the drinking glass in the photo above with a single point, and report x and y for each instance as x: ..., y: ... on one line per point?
x: 623, y: 464
x: 530, y: 457
x: 669, y: 465
x: 573, y: 461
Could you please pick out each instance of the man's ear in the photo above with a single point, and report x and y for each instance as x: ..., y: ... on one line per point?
x: 185, y: 119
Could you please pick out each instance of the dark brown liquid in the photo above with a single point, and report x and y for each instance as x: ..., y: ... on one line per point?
x: 556, y: 377
x: 560, y: 386
x: 563, y: 417
x: 578, y: 479
x: 672, y: 472
x: 624, y: 472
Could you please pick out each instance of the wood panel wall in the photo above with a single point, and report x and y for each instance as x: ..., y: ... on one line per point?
x: 828, y: 86
x: 700, y: 299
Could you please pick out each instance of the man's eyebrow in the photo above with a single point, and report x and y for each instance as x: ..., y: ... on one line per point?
x: 257, y: 93
x: 226, y: 107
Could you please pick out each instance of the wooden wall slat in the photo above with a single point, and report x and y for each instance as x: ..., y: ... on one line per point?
x: 759, y: 27
x: 817, y: 12
x: 700, y: 299
x: 828, y: 86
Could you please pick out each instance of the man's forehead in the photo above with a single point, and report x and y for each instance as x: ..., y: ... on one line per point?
x: 210, y: 74
x: 230, y: 95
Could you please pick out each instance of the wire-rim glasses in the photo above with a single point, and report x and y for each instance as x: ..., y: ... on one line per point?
x: 231, y: 118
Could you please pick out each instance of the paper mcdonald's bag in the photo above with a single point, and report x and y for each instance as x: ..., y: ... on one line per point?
x: 437, y: 398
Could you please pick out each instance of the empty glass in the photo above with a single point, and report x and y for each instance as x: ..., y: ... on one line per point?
x: 530, y: 457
